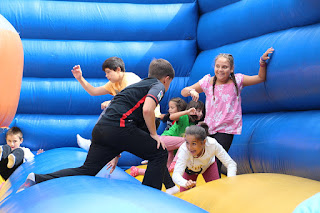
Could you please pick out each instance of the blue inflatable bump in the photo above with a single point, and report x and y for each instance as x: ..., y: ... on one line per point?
x: 62, y: 158
x: 92, y: 194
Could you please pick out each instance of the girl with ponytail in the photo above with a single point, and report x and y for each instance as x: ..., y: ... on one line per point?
x: 223, y: 101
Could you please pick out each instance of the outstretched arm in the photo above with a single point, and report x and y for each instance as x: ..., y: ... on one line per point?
x: 192, y: 91
x: 261, y: 77
x: 94, y: 91
x: 176, y: 116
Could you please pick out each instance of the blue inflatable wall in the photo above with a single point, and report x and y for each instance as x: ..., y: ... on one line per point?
x: 53, y: 106
x: 280, y: 123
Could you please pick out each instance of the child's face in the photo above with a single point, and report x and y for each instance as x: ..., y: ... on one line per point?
x: 14, y: 141
x: 194, y: 145
x: 222, y: 69
x: 199, y: 114
x: 172, y: 107
x: 114, y: 75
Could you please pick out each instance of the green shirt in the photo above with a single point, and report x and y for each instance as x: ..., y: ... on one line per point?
x: 179, y: 127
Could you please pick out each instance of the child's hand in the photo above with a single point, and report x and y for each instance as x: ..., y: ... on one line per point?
x: 194, y: 95
x: 265, y: 55
x: 190, y: 184
x: 159, y: 142
x: 76, y: 71
x: 112, y: 164
x: 105, y: 104
x: 192, y: 111
x: 40, y: 151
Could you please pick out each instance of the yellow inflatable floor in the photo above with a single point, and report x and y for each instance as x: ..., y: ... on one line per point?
x: 251, y: 193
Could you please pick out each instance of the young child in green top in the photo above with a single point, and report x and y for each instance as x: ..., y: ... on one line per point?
x: 174, y: 137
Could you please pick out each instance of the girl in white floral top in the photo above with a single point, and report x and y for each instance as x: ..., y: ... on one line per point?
x: 223, y: 100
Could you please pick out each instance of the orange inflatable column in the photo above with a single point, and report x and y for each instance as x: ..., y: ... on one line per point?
x: 11, y: 69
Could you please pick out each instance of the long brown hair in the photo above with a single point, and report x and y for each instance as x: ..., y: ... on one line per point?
x: 229, y: 57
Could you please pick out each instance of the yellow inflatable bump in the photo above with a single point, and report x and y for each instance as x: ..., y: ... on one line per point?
x: 252, y: 193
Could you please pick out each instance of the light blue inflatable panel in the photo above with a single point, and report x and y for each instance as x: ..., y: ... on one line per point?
x: 6, y: 25
x: 250, y: 18
x: 55, y: 59
x: 101, y: 21
x: 282, y: 142
x: 92, y: 194
x: 209, y: 5
x: 54, y: 160
x: 311, y: 205
x: 292, y: 77
x: 134, y: 1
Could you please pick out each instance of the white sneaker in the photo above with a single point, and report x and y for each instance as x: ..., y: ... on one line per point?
x: 1, y: 150
x: 31, y: 180
x: 83, y: 143
x: 144, y: 162
x: 172, y: 190
x: 11, y: 161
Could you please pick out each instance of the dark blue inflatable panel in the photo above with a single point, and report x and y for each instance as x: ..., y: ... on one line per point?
x: 59, y: 96
x: 209, y: 5
x: 282, y: 142
x: 55, y: 59
x: 67, y: 97
x: 101, y: 21
x: 174, y: 91
x: 251, y: 18
x: 92, y: 194
x: 53, y: 131
x: 295, y: 59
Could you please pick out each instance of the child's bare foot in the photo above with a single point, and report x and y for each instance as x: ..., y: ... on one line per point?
x: 171, y: 168
x: 134, y: 171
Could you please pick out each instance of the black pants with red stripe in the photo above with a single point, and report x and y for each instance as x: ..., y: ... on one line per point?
x: 110, y: 141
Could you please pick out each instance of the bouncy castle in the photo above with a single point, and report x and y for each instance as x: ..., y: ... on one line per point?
x: 277, y: 154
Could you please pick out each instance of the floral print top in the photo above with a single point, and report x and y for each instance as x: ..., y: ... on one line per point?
x: 223, y: 114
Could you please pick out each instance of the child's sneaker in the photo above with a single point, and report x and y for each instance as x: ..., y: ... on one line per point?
x: 5, y: 150
x: 83, y: 143
x: 134, y: 171
x: 144, y: 162
x: 1, y: 151
x: 11, y: 161
x: 172, y: 190
x: 31, y: 180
